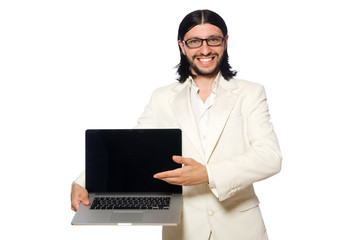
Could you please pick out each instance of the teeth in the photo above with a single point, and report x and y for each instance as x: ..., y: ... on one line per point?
x: 205, y: 59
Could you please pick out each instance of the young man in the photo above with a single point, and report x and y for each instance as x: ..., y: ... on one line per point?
x: 228, y: 141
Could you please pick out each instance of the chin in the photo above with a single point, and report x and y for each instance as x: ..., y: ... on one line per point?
x: 202, y: 72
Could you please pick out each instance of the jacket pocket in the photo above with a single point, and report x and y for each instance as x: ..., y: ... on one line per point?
x: 248, y: 204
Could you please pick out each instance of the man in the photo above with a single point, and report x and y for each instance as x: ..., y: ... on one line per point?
x: 228, y: 141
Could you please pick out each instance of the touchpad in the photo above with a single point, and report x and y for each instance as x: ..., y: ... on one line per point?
x: 126, y: 217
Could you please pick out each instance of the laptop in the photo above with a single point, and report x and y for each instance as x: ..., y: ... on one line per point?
x: 120, y: 164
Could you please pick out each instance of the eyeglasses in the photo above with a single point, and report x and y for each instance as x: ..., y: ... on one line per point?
x: 197, y: 42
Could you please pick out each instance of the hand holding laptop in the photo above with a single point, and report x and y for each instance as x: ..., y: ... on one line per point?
x: 79, y: 195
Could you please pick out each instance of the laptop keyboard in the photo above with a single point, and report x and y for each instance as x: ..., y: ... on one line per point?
x: 149, y: 203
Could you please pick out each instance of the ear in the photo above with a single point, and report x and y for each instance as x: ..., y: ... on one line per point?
x: 182, y: 47
x: 226, y: 40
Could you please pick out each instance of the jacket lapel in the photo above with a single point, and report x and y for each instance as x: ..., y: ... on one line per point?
x: 219, y: 114
x: 182, y: 109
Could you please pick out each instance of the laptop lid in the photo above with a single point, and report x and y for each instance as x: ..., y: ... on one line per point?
x: 125, y: 160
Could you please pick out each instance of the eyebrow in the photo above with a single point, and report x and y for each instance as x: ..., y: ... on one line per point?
x: 205, y: 38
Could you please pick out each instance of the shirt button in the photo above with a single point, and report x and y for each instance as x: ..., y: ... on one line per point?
x: 210, y: 212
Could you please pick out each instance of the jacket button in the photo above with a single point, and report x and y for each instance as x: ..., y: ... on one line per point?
x: 210, y: 212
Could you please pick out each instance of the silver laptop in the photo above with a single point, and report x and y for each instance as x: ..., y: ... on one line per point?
x: 120, y: 164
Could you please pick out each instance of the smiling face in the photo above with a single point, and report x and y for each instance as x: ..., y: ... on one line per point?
x: 204, y: 60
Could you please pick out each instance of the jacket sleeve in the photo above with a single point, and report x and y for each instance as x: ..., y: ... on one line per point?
x: 148, y: 117
x: 80, y: 179
x: 262, y: 158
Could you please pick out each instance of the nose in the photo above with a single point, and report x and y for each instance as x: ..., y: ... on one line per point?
x: 205, y: 49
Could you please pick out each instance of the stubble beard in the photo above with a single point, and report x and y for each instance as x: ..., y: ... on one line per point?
x: 201, y: 72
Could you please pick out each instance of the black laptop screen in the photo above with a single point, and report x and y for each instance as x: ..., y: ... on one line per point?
x: 125, y: 160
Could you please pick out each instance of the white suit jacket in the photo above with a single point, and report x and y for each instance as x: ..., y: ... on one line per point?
x: 242, y: 148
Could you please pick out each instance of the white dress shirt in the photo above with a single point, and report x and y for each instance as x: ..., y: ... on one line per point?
x: 200, y: 111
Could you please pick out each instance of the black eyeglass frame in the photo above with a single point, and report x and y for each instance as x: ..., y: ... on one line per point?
x: 202, y: 41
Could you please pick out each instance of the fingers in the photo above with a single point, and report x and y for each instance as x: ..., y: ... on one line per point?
x: 78, y: 200
x: 175, y: 172
x: 182, y: 160
x: 191, y: 173
x: 172, y: 177
x: 79, y: 195
x: 167, y: 174
x: 177, y: 159
x: 84, y: 199
x: 173, y: 180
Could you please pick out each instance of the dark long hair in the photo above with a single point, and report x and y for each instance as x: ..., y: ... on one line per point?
x: 191, y: 20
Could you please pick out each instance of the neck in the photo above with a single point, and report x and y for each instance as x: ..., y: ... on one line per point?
x: 204, y: 83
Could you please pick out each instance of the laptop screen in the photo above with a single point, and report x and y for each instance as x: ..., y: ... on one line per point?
x: 125, y: 160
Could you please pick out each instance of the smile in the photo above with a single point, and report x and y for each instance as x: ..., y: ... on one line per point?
x: 205, y: 59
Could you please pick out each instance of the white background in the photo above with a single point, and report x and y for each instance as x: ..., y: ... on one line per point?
x: 66, y: 66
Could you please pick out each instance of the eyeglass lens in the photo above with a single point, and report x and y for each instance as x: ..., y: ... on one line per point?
x: 197, y: 42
